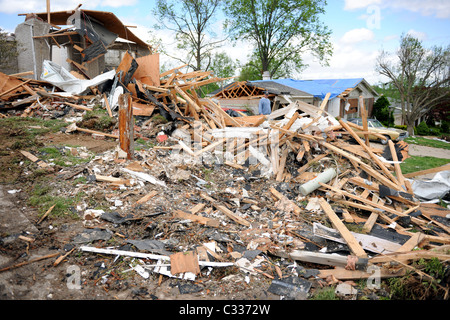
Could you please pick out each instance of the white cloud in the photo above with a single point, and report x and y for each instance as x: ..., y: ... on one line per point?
x: 13, y: 7
x: 438, y: 8
x: 357, y: 35
x: 422, y: 36
x: 360, y: 4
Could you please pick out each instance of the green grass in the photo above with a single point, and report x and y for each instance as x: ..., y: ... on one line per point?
x: 416, y: 163
x: 42, y: 199
x: 61, y: 157
x: 428, y: 142
x: 327, y: 293
x: 24, y: 131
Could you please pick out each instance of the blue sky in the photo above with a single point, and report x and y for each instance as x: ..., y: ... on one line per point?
x: 361, y: 28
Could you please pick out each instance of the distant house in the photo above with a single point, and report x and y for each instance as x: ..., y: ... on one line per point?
x: 343, y: 100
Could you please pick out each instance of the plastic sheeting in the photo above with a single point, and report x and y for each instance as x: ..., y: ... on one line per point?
x: 63, y: 79
x: 435, y: 188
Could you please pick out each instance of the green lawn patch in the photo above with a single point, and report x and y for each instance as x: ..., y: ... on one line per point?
x: 416, y: 163
x: 428, y: 142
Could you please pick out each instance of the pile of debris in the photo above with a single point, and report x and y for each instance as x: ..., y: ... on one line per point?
x: 291, y: 188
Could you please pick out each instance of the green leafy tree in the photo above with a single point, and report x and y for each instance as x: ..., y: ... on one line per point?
x: 192, y: 21
x: 281, y: 31
x: 223, y: 66
x: 382, y: 112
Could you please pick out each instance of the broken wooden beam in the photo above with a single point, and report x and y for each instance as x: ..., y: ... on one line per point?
x: 126, y: 125
x: 354, y: 246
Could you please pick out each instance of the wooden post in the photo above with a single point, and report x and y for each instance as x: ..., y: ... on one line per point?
x: 126, y: 125
x: 364, y: 119
x: 48, y: 12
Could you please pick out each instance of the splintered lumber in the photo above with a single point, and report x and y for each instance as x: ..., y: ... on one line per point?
x: 364, y: 120
x: 364, y: 166
x: 414, y: 241
x: 46, y: 214
x: 361, y: 199
x: 148, y: 256
x: 196, y: 218
x: 126, y: 125
x: 75, y: 106
x: 280, y: 196
x: 147, y: 197
x: 61, y: 258
x: 409, y: 256
x: 354, y: 246
x: 324, y: 103
x: 182, y: 262
x: 344, y: 274
x: 98, y: 132
x: 370, y: 222
x: 317, y: 257
x: 428, y: 171
x: 371, y: 154
x: 188, y: 98
x: 30, y: 261
x: 14, y: 88
x: 233, y: 216
x: 34, y: 159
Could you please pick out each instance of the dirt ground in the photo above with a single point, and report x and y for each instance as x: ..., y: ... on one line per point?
x: 41, y: 280
x: 23, y: 239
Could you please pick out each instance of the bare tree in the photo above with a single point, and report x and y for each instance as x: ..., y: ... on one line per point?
x: 422, y: 77
x: 191, y: 20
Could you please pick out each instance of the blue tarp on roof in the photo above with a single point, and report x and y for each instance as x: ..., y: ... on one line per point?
x: 319, y: 88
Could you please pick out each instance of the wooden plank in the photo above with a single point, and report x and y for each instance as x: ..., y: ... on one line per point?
x: 282, y: 164
x: 233, y: 216
x: 146, y: 198
x: 108, y: 108
x: 364, y: 119
x: 364, y: 166
x: 344, y: 274
x: 98, y: 132
x: 280, y: 196
x: 345, y: 233
x: 209, y: 147
x: 370, y: 222
x: 196, y: 218
x: 370, y: 153
x: 197, y: 208
x: 182, y: 262
x: 76, y: 106
x: 428, y: 171
x: 34, y: 159
x: 126, y: 125
x: 414, y: 241
x: 313, y: 257
x: 398, y: 170
x: 14, y: 88
x: 361, y: 199
x: 324, y: 103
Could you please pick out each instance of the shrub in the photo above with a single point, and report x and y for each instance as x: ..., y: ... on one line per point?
x: 404, y: 127
x: 445, y: 127
x: 422, y: 129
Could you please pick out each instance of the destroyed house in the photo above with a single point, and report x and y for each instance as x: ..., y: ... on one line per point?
x: 85, y: 42
x: 343, y: 100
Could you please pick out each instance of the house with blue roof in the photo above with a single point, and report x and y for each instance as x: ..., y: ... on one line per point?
x: 343, y: 100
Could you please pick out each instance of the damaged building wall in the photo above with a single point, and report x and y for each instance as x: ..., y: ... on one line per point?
x: 32, y: 51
